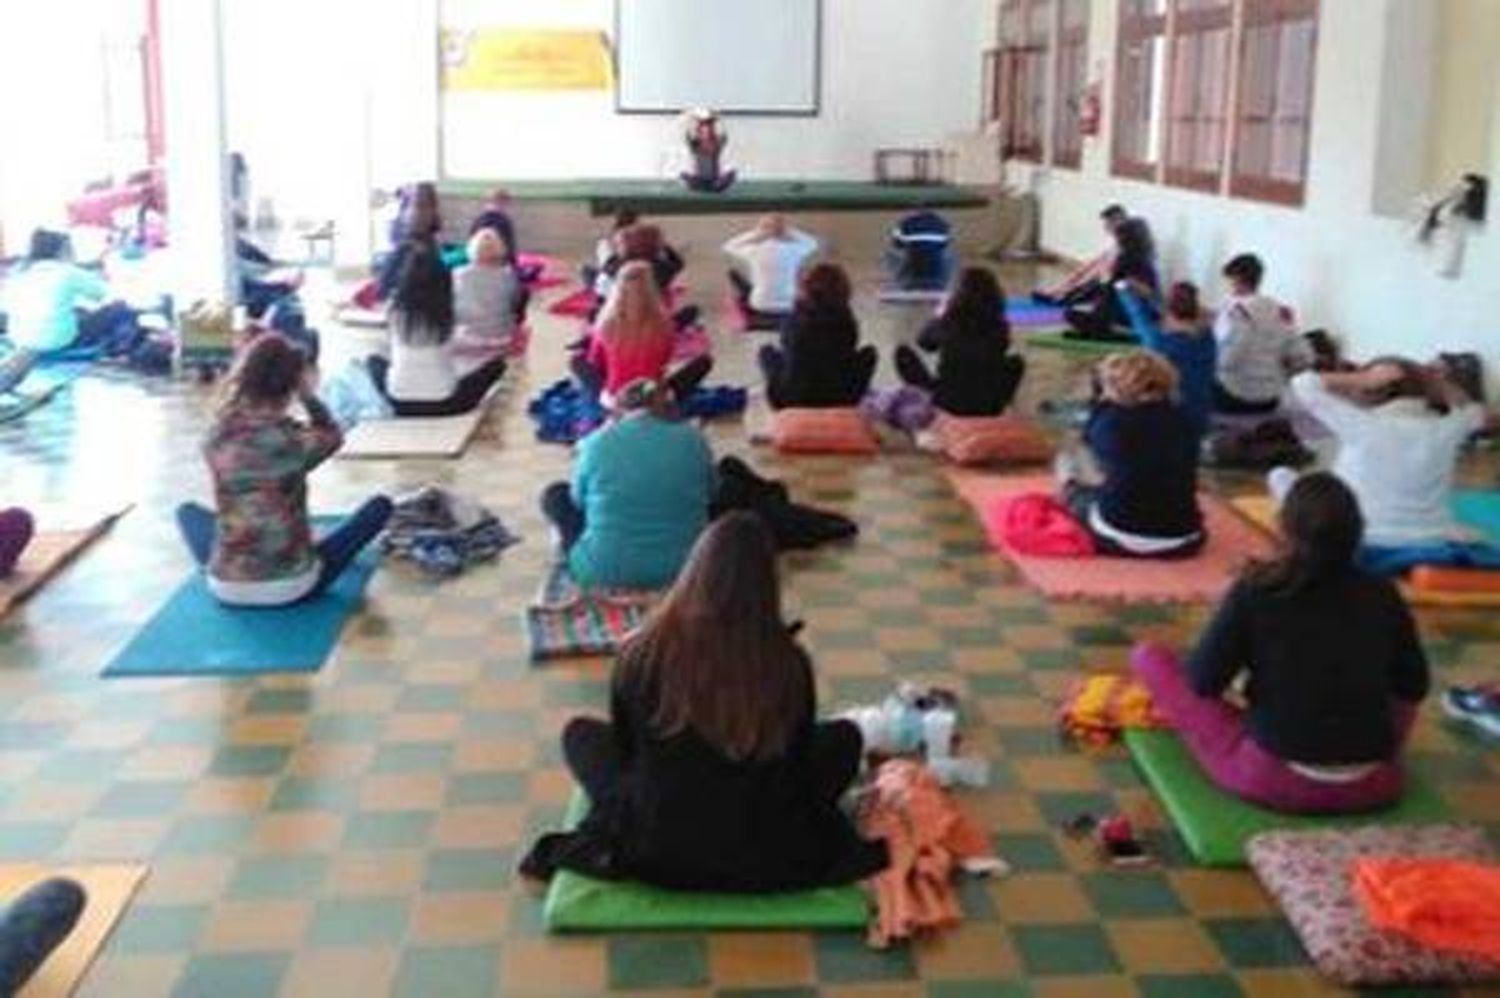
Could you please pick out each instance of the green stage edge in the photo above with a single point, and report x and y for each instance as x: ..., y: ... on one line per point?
x: 670, y: 197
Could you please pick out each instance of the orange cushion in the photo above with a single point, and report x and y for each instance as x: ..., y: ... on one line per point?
x: 823, y: 431
x: 1436, y: 579
x: 984, y: 439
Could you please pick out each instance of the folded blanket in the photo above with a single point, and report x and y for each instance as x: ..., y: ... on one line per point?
x: 1448, y: 904
x: 443, y: 534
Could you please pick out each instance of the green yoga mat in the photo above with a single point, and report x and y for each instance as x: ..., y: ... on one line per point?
x: 576, y: 903
x: 1216, y: 825
x: 608, y: 195
x: 1062, y: 344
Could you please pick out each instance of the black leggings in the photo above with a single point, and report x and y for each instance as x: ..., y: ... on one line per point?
x: 560, y: 510
x: 593, y: 756
x: 835, y: 388
x: 467, y: 394
x: 1080, y: 500
x: 970, y: 399
x: 1232, y: 405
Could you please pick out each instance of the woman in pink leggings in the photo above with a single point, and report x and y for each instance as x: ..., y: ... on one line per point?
x: 1334, y: 665
x: 15, y: 533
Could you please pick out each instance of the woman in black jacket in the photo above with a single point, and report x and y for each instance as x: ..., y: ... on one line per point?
x: 819, y: 364
x: 713, y: 772
x: 977, y: 375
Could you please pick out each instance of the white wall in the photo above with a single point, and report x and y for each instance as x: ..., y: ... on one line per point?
x: 895, y: 72
x: 1340, y: 264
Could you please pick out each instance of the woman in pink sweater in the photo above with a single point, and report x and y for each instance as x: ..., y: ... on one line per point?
x: 635, y: 340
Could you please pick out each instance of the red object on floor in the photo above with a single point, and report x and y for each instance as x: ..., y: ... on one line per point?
x: 1037, y: 524
x: 1447, y: 904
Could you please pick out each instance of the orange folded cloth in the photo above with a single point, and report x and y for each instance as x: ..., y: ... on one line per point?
x: 1097, y: 708
x: 930, y: 842
x: 1436, y: 579
x: 1448, y: 904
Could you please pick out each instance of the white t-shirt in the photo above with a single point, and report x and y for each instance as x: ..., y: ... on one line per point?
x: 1398, y: 458
x: 1258, y: 348
x: 420, y: 372
x: 484, y: 302
x: 773, y: 266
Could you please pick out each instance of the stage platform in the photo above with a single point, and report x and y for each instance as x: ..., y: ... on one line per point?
x: 606, y: 196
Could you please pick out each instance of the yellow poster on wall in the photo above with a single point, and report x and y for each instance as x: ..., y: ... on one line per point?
x: 526, y: 59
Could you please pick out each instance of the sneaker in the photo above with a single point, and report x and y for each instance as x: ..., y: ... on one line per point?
x: 1478, y: 706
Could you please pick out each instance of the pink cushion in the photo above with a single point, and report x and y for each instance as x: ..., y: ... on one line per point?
x: 1308, y: 874
x: 823, y: 431
x: 991, y: 439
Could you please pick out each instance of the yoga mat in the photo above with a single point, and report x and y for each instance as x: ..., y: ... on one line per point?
x: 566, y: 622
x: 49, y: 552
x: 1480, y: 510
x: 414, y: 436
x: 907, y: 296
x: 576, y: 903
x: 578, y: 305
x: 1024, y: 313
x: 1203, y: 578
x: 1059, y: 343
x: 1216, y: 825
x: 194, y: 634
x: 109, y: 889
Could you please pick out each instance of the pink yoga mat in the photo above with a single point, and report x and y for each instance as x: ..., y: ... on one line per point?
x: 1232, y: 542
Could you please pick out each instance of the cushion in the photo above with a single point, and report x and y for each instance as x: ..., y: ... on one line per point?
x: 823, y: 431
x: 1215, y: 824
x: 1308, y: 875
x: 576, y: 903
x: 984, y: 439
x: 1435, y: 578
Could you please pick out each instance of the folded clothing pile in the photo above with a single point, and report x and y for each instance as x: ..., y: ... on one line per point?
x: 795, y: 527
x: 1099, y: 707
x: 715, y: 402
x: 443, y: 534
x: 565, y: 414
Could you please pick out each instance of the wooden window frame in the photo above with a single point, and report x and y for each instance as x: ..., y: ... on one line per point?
x: 1187, y: 23
x: 1270, y: 189
x: 1133, y: 29
x: 1071, y: 40
x: 1023, y: 137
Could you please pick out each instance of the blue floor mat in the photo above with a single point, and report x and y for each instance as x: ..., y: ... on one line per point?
x: 1480, y: 510
x: 194, y: 634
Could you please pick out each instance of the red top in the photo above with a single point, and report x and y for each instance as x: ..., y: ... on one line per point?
x: 624, y: 363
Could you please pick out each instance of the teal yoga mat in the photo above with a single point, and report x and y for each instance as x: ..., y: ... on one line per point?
x: 194, y: 634
x: 1216, y: 825
x: 576, y: 903
x: 1480, y: 510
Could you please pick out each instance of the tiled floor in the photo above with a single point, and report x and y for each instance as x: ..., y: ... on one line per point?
x: 354, y: 832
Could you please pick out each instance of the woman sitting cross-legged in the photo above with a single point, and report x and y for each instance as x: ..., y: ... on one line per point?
x: 257, y: 546
x: 1146, y: 503
x: 489, y: 299
x: 1335, y: 670
x: 633, y: 340
x: 713, y: 772
x: 640, y: 494
x: 820, y: 363
x: 977, y: 375
x: 421, y: 376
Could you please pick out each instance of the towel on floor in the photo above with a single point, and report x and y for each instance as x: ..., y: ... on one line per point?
x: 442, y: 533
x: 1448, y: 904
x: 565, y: 621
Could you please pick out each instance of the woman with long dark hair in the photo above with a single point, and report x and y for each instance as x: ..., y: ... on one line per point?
x: 1335, y: 670
x: 421, y: 377
x: 977, y: 375
x: 819, y: 363
x: 1103, y: 317
x: 713, y: 772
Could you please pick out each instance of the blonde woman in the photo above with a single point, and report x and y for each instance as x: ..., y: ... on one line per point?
x: 634, y: 341
x: 1144, y: 501
x: 489, y: 299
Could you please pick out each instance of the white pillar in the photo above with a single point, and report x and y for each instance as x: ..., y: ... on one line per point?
x: 200, y: 231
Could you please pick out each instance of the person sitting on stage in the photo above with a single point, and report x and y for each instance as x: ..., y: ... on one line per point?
x: 1098, y: 314
x: 421, y: 376
x: 772, y: 255
x: 634, y: 339
x: 713, y: 772
x: 820, y: 363
x: 1334, y: 663
x: 489, y: 299
x: 1144, y: 502
x: 977, y: 374
x: 639, y: 496
x: 706, y: 141
x: 920, y: 257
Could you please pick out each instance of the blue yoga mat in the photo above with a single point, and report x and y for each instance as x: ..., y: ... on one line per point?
x: 196, y: 635
x: 1480, y: 510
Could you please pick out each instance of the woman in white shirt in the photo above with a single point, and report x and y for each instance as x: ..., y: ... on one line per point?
x: 489, y: 300
x: 772, y: 255
x: 1400, y: 428
x: 421, y: 378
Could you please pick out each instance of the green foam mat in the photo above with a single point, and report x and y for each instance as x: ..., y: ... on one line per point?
x: 1056, y: 341
x: 1216, y: 825
x: 576, y: 903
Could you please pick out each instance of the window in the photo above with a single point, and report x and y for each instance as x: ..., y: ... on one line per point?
x: 1072, y: 83
x: 1216, y: 95
x: 1140, y: 59
x: 1273, y: 116
x: 1025, y: 37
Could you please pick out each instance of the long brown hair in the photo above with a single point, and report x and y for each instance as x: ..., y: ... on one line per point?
x: 634, y: 312
x: 716, y: 653
x: 825, y: 286
x: 1321, y: 532
x: 268, y: 373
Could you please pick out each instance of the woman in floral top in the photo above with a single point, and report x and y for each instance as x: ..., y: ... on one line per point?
x: 258, y: 548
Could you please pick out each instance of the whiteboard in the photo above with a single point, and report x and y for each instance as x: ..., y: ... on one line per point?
x: 743, y: 56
